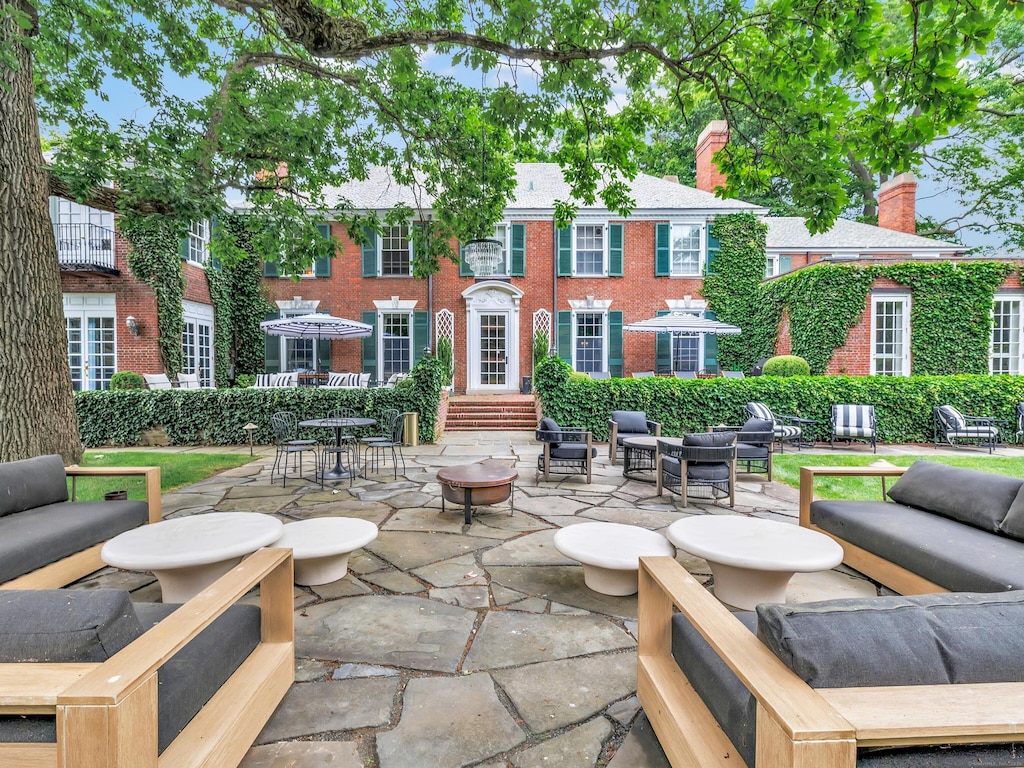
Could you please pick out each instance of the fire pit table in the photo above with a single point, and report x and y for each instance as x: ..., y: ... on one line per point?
x: 475, y: 485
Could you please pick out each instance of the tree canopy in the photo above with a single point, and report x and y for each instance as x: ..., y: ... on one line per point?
x: 331, y: 88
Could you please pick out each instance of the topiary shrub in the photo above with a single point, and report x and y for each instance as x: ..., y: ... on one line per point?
x: 127, y: 380
x: 786, y: 365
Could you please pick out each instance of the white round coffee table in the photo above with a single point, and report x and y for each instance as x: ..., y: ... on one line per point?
x: 321, y: 546
x: 751, y: 559
x: 187, y: 554
x: 610, y: 553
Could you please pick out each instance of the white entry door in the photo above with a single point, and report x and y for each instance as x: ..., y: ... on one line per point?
x: 493, y: 350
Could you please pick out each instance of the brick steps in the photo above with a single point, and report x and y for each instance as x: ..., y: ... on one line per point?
x: 491, y: 413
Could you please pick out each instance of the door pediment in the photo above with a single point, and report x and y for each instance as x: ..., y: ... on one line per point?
x: 492, y: 294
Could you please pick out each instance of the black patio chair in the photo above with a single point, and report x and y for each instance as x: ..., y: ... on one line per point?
x: 952, y: 427
x: 287, y: 444
x: 346, y: 445
x: 567, y: 450
x: 374, y: 452
x: 755, y: 444
x: 705, y: 460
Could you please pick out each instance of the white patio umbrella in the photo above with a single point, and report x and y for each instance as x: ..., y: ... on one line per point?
x: 316, y: 327
x: 683, y: 324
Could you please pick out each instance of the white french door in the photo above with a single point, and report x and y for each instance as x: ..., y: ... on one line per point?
x: 89, y: 320
x: 492, y: 349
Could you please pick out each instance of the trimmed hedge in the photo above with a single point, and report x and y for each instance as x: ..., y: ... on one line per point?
x: 903, y: 405
x: 216, y: 416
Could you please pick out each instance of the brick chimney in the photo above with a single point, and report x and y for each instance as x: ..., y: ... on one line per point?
x: 281, y: 172
x: 896, y: 204
x: 711, y: 139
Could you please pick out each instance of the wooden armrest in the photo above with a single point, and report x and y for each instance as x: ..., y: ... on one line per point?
x: 116, y: 678
x: 33, y: 687
x: 807, y: 475
x: 152, y: 475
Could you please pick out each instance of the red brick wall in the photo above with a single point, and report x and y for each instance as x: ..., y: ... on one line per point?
x: 896, y: 204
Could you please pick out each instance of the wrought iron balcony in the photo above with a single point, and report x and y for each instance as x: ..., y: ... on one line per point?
x: 85, y: 247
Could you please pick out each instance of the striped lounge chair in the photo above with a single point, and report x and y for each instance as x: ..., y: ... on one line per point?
x: 854, y: 422
x: 784, y: 427
x: 951, y: 426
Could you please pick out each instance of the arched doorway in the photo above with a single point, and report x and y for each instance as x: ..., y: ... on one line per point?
x: 492, y: 336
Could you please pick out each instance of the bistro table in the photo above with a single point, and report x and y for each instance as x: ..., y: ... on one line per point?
x: 339, y: 471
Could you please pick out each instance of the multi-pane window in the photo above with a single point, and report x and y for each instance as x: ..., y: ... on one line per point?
x: 396, y: 343
x: 589, y: 343
x: 1005, y: 349
x: 89, y: 321
x: 395, y: 251
x: 197, y: 341
x: 589, y: 246
x: 771, y: 266
x: 199, y: 241
x: 686, y: 353
x: 501, y: 235
x: 686, y: 249
x: 890, y: 342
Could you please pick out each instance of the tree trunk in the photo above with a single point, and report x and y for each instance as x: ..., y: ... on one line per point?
x: 37, y: 407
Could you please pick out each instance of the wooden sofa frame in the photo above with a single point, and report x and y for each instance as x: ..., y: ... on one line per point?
x: 80, y: 564
x: 797, y: 726
x: 107, y: 712
x: 878, y: 568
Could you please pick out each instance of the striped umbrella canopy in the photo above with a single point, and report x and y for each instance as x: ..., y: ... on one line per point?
x: 316, y: 327
x: 682, y: 323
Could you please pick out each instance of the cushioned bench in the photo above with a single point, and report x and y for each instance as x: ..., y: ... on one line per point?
x: 85, y: 674
x: 945, y: 528
x: 47, y: 540
x: 883, y: 682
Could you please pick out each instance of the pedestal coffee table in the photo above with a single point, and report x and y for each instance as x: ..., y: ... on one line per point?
x: 610, y: 553
x: 187, y: 554
x: 752, y: 559
x: 321, y: 546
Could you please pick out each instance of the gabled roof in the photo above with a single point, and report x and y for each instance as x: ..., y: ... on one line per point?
x: 789, y: 233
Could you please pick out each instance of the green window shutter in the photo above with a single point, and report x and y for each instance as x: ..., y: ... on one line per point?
x: 322, y: 266
x: 565, y: 252
x: 663, y: 348
x: 269, y: 269
x: 518, y: 252
x: 785, y: 264
x: 565, y: 335
x: 272, y: 349
x: 369, y: 255
x: 662, y: 249
x: 420, y: 333
x: 615, y: 343
x: 713, y: 248
x: 710, y: 346
x: 370, y: 345
x: 615, y: 248
x: 464, y: 269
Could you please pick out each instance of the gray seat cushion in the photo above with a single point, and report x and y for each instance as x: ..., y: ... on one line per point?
x: 572, y: 451
x: 751, y: 452
x: 707, y: 472
x: 633, y: 422
x: 32, y: 483
x: 755, y: 431
x: 977, y: 498
x: 955, y: 556
x: 46, y: 534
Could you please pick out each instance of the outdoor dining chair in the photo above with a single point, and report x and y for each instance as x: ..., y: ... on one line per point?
x: 288, y: 445
x: 787, y: 429
x: 853, y: 422
x: 374, y: 452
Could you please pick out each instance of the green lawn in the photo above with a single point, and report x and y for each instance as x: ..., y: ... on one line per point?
x: 176, y: 470
x: 787, y: 470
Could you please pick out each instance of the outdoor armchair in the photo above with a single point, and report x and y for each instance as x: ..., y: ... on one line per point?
x: 1020, y: 422
x: 853, y: 422
x: 157, y: 381
x: 625, y: 424
x: 755, y: 443
x: 787, y: 429
x: 704, y: 460
x: 952, y: 427
x: 567, y: 450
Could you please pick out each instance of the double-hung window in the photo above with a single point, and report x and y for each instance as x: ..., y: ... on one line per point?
x: 395, y: 343
x: 1005, y: 349
x: 686, y: 250
x: 590, y: 341
x: 395, y: 251
x: 890, y: 335
x: 589, y: 250
x: 198, y: 242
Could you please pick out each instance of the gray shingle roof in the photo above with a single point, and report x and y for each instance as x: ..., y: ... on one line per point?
x: 790, y: 233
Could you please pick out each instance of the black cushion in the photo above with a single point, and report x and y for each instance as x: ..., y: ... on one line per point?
x: 756, y: 432
x: 1013, y: 523
x: 748, y: 451
x: 670, y: 464
x: 935, y: 639
x: 977, y: 498
x: 710, y: 439
x: 549, y: 425
x: 32, y: 483
x: 65, y: 625
x: 44, y: 535
x: 707, y: 472
x: 572, y: 451
x: 634, y: 422
x: 955, y: 556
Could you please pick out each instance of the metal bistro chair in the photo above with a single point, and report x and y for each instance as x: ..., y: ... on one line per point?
x: 953, y: 427
x: 385, y: 425
x: 380, y: 448
x: 704, y: 460
x: 347, y: 445
x: 287, y: 444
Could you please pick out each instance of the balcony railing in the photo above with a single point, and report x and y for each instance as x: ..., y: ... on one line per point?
x: 85, y: 247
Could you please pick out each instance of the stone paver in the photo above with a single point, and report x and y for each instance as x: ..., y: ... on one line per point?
x: 640, y: 749
x: 579, y: 748
x: 408, y: 549
x: 308, y: 754
x: 342, y: 705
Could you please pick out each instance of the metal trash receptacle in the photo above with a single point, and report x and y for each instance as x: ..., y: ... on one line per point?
x: 411, y: 428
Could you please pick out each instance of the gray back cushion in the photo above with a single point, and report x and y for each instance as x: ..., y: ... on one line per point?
x: 976, y: 498
x: 763, y: 431
x: 64, y: 625
x: 956, y: 637
x: 630, y: 421
x: 32, y: 483
x: 710, y: 439
x: 1013, y: 523
x: 550, y: 425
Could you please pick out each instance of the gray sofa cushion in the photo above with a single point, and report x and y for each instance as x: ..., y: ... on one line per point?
x: 933, y: 639
x: 32, y: 483
x: 549, y: 425
x: 44, y: 535
x: 977, y: 498
x: 65, y: 625
x: 756, y: 431
x: 631, y: 422
x: 184, y: 684
x: 955, y: 556
x: 1013, y: 523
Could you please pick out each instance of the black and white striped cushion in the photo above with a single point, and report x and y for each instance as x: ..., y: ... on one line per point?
x: 853, y: 420
x: 760, y: 411
x: 954, y: 420
x: 787, y: 432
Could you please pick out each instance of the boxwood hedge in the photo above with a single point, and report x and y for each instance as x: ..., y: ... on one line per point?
x: 903, y: 405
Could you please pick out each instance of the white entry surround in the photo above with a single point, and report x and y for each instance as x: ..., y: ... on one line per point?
x: 492, y: 335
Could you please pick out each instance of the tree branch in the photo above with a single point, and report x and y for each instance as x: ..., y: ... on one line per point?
x: 106, y: 198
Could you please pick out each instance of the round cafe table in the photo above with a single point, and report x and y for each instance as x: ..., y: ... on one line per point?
x: 339, y: 471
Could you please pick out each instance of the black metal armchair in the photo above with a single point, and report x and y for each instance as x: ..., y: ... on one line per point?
x: 624, y: 424
x: 952, y: 427
x: 755, y: 446
x: 567, y: 450
x: 787, y: 429
x: 704, y: 460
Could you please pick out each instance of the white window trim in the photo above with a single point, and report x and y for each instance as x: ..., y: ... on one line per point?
x: 772, y: 266
x: 604, y: 243
x: 702, y: 256
x: 1019, y: 299
x: 395, y: 306
x: 380, y: 251
x: 85, y: 305
x: 203, y: 240
x: 590, y: 305
x: 876, y: 298
x: 506, y: 247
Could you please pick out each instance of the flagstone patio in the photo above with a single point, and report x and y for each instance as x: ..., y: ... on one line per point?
x: 477, y: 647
